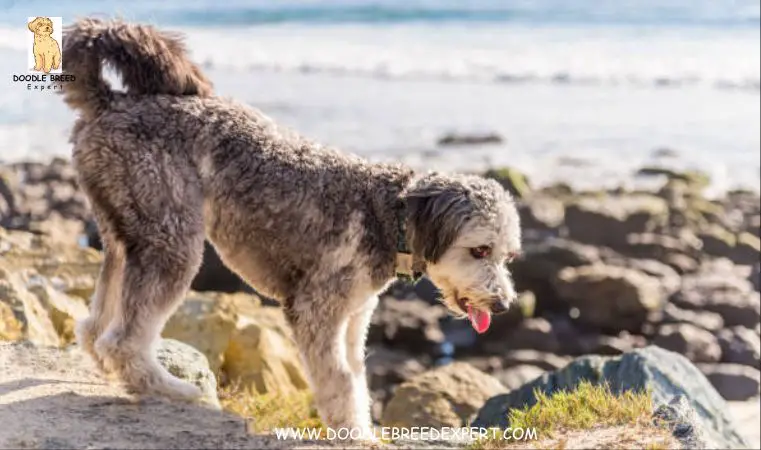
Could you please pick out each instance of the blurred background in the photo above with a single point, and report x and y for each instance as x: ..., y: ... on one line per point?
x: 574, y: 90
x: 628, y: 131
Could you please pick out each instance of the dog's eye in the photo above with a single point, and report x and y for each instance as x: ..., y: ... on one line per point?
x: 480, y: 252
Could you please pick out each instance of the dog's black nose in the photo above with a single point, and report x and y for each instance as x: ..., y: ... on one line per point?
x: 499, y: 307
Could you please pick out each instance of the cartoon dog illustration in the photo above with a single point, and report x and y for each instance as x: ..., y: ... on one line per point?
x: 47, y: 52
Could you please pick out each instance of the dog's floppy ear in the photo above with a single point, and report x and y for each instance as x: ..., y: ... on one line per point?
x: 436, y: 213
x: 34, y: 24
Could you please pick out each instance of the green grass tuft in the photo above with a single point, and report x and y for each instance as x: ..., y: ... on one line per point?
x: 586, y: 407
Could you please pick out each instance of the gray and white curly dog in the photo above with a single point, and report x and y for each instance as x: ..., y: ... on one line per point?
x: 166, y: 164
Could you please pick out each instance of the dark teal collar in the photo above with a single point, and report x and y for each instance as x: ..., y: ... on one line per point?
x: 406, y: 265
x: 401, y: 230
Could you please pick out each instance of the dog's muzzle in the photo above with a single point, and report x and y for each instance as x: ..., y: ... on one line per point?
x: 500, y: 306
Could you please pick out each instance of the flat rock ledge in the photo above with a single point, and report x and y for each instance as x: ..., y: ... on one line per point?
x: 53, y: 398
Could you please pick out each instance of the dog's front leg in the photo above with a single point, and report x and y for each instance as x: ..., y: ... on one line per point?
x: 320, y: 328
x: 38, y: 61
x: 356, y: 337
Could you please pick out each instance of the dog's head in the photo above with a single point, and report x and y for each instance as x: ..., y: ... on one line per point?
x: 467, y: 231
x: 41, y: 26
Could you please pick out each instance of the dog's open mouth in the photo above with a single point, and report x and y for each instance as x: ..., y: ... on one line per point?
x: 479, y: 319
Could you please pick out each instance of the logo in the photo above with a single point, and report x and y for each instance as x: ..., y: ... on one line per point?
x: 44, y: 44
x: 44, y: 62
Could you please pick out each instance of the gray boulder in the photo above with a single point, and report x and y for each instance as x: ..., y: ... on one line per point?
x: 412, y: 324
x: 697, y: 344
x: 546, y: 361
x: 470, y: 139
x: 733, y: 381
x: 189, y: 364
x: 719, y: 288
x: 743, y: 248
x: 540, y: 264
x: 535, y: 333
x: 608, y: 220
x: 667, y: 249
x: 665, y: 374
x: 610, y: 297
x: 740, y: 345
x: 449, y: 395
x: 704, y: 319
x: 516, y: 376
x: 668, y: 278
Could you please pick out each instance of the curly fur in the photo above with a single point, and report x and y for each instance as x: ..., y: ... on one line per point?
x: 167, y: 164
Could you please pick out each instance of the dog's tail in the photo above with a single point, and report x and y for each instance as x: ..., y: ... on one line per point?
x: 149, y: 62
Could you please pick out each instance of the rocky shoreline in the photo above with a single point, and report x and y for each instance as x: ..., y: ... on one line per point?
x: 603, y: 273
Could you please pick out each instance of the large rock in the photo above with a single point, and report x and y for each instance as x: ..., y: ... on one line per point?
x: 703, y: 319
x: 448, y: 396
x: 469, y: 139
x: 543, y: 260
x: 535, y: 333
x: 187, y: 363
x: 410, y: 324
x: 37, y: 192
x: 753, y: 225
x: 55, y: 398
x: 743, y: 248
x: 540, y: 264
x: 668, y: 279
x: 665, y: 374
x: 248, y: 344
x: 740, y: 345
x: 516, y: 376
x: 679, y: 254
x: 386, y: 369
x: 718, y: 288
x: 755, y: 276
x: 262, y: 356
x: 73, y: 268
x: 207, y: 322
x: 696, y: 344
x: 608, y: 220
x: 43, y: 285
x: 602, y: 344
x: 546, y: 361
x: 609, y: 297
x: 733, y: 381
x: 33, y: 309
x: 64, y: 310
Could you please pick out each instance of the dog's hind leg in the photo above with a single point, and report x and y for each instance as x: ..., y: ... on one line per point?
x: 159, y: 268
x: 105, y: 299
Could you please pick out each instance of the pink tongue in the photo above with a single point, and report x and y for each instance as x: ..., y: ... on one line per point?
x: 479, y: 319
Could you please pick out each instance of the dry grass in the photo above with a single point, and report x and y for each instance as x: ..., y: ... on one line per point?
x: 264, y: 412
x: 587, y: 417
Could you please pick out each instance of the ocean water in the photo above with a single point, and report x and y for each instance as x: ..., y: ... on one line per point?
x: 582, y: 91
